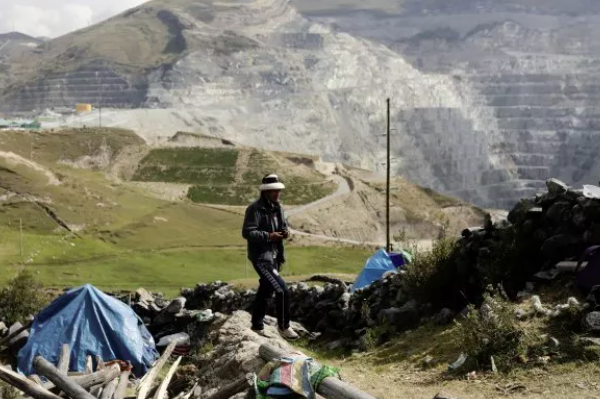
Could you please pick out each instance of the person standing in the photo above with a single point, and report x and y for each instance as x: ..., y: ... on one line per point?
x: 265, y: 229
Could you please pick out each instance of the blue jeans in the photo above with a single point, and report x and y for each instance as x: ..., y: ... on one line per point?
x: 270, y: 282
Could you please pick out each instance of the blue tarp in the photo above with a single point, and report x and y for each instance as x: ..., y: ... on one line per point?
x: 400, y: 258
x: 92, y: 323
x: 375, y: 267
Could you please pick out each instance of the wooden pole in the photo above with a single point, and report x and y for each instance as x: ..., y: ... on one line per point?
x: 109, y: 389
x: 145, y: 386
x: 122, y: 387
x: 161, y: 393
x: 21, y: 237
x: 330, y: 388
x: 98, y: 378
x: 64, y: 359
x: 23, y: 384
x: 89, y: 365
x: 387, y: 190
x: 235, y: 387
x: 66, y: 384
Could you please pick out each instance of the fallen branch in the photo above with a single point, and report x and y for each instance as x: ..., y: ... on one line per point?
x: 235, y: 387
x: 89, y: 380
x: 25, y: 385
x: 64, y: 359
x: 122, y: 387
x: 331, y: 388
x: 145, y: 386
x: 161, y: 393
x: 109, y: 389
x: 66, y: 384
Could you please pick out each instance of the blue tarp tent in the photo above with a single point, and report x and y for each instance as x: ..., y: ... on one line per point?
x: 375, y: 267
x: 92, y: 323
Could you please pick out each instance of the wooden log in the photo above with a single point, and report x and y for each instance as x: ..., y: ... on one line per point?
x: 90, y: 380
x: 330, y: 388
x: 89, y: 365
x: 35, y: 378
x: 99, y: 363
x: 18, y: 331
x: 235, y: 387
x: 96, y: 391
x: 109, y: 389
x: 25, y: 385
x: 64, y: 359
x: 161, y: 393
x: 122, y: 387
x: 66, y: 384
x: 144, y: 387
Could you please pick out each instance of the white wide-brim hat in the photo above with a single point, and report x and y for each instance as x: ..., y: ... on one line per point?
x: 271, y: 182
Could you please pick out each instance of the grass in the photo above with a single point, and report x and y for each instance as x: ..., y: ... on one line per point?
x: 123, y: 238
x: 169, y: 270
x: 213, y: 171
x: 207, y: 166
x: 398, y: 370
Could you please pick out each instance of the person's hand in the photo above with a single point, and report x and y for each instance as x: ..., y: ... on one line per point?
x: 286, y: 234
x: 276, y: 236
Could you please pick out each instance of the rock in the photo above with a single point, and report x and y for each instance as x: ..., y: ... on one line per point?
x: 176, y: 305
x: 20, y: 339
x: 488, y: 222
x: 556, y: 187
x: 559, y: 213
x: 547, y: 275
x: 521, y: 314
x: 590, y: 340
x: 335, y: 345
x: 592, y: 321
x: 458, y: 363
x: 197, y: 393
x: 209, y: 393
x: 402, y: 318
x: 444, y: 317
x: 553, y: 342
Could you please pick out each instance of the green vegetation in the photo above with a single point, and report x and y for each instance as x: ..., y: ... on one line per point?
x: 20, y: 297
x: 218, y: 177
x: 117, y: 236
x: 207, y: 166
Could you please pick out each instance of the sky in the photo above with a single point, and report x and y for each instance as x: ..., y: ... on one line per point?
x: 53, y: 18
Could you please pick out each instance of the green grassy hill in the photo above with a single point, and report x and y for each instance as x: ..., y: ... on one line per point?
x: 78, y: 226
x: 230, y: 176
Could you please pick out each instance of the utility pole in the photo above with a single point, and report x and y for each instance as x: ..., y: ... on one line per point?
x: 21, y: 236
x: 387, y: 191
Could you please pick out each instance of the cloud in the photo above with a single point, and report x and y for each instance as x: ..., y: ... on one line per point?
x: 52, y: 18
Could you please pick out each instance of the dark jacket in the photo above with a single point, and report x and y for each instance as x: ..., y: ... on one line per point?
x: 263, y: 218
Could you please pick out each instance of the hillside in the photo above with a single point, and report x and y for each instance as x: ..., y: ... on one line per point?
x: 489, y: 98
x: 533, y: 64
x: 415, y: 213
x: 260, y: 74
x: 81, y: 223
x: 85, y: 219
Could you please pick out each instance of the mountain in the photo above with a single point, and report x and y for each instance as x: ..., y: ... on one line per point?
x: 488, y: 99
x: 534, y: 64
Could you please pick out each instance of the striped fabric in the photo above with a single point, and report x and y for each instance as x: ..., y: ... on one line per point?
x: 292, y: 373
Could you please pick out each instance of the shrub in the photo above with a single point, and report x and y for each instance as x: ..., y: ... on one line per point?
x: 493, y: 331
x: 21, y: 296
x: 432, y: 277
